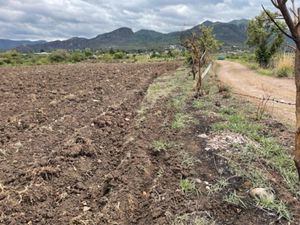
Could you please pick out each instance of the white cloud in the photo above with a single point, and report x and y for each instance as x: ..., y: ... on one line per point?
x: 60, y: 19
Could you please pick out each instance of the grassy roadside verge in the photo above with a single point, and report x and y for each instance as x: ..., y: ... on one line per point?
x: 261, y: 158
x: 216, y: 151
x: 282, y: 65
x: 255, y: 67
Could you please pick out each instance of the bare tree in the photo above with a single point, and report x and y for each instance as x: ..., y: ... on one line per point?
x: 292, y: 19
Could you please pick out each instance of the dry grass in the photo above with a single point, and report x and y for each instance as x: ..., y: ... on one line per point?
x: 285, y: 59
x: 284, y: 64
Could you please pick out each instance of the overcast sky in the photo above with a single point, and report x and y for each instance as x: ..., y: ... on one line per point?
x: 61, y: 19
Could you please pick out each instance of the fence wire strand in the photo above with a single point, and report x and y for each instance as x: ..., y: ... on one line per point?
x: 266, y: 99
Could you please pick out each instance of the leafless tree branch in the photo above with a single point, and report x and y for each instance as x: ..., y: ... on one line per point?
x: 277, y: 25
x: 275, y: 4
x: 294, y: 13
x: 292, y: 47
x: 287, y: 16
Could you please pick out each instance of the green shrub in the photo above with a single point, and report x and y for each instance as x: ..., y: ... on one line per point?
x: 43, y: 61
x: 10, y: 54
x: 221, y: 57
x: 7, y: 60
x: 111, y: 51
x: 253, y: 66
x: 155, y: 55
x: 31, y: 59
x: 7, y: 57
x: 77, y: 56
x: 233, y: 56
x: 119, y: 55
x: 284, y: 71
x: 14, y: 53
x: 88, y: 53
x: 105, y: 57
x: 188, y: 59
x: 170, y: 54
x: 58, y: 56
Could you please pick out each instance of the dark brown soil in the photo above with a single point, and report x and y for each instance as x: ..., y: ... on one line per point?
x: 73, y: 150
x: 62, y: 133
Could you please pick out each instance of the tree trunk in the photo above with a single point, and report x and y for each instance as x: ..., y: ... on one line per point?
x: 199, y: 82
x: 297, y: 142
x: 194, y: 70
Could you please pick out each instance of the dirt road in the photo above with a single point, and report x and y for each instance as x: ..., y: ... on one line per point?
x: 245, y: 81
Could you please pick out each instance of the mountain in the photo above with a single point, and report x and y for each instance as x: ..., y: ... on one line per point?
x: 148, y: 34
x: 116, y: 39
x: 231, y: 34
x: 242, y: 22
x: 9, y: 44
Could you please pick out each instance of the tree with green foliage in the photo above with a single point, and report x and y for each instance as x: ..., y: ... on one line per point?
x: 208, y: 44
x: 58, y: 56
x: 201, y: 48
x: 77, y: 56
x: 111, y: 51
x: 265, y: 37
x: 119, y: 55
x: 88, y: 53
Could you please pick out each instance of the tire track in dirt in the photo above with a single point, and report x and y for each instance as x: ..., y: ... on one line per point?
x: 245, y: 81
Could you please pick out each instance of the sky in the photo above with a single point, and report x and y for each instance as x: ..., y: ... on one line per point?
x: 63, y: 19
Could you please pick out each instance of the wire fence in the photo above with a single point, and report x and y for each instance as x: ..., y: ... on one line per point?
x: 266, y: 99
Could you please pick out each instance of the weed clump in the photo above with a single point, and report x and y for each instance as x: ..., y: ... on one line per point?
x: 187, y: 186
x: 181, y: 121
x: 284, y: 71
x: 160, y: 146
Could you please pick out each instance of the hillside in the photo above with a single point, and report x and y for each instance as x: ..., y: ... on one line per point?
x: 231, y: 34
x: 9, y: 44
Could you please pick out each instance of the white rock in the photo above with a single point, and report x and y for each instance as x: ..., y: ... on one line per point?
x: 53, y: 103
x: 2, y: 152
x: 263, y: 194
x: 204, y: 136
x: 85, y: 208
x: 18, y: 144
x: 70, y: 97
x: 197, y: 180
